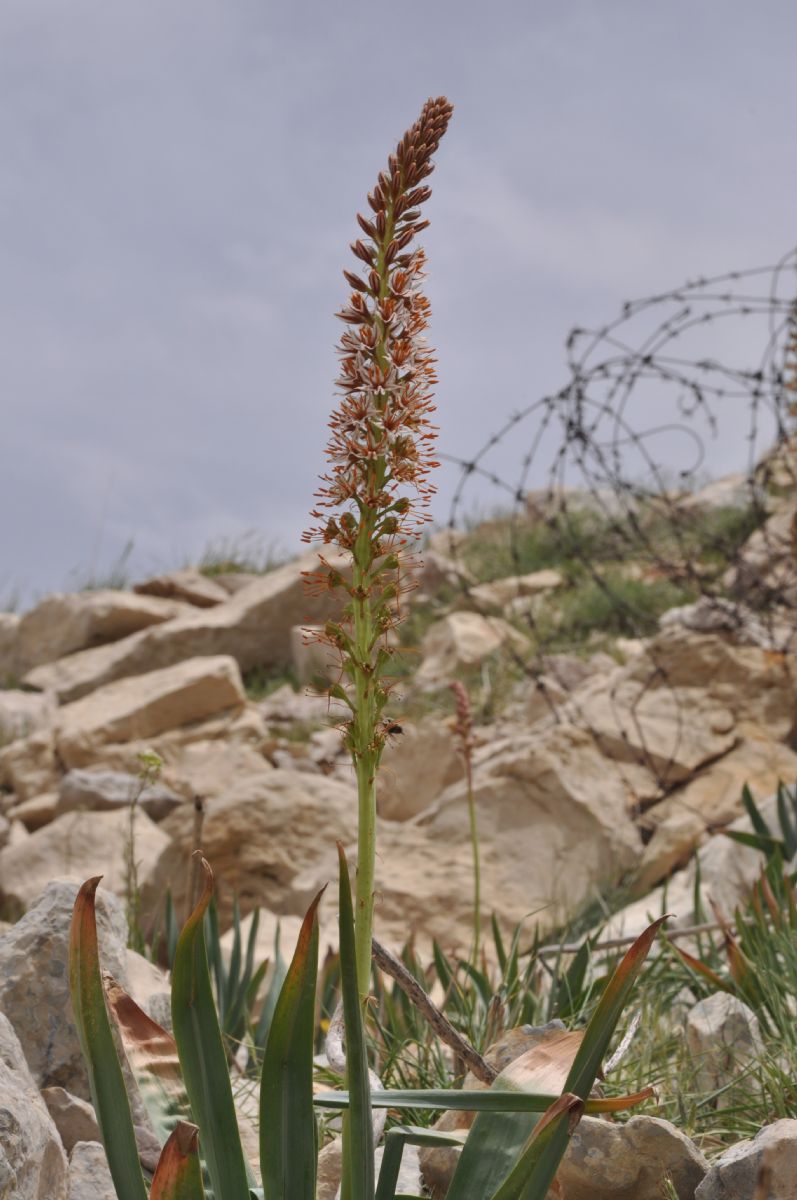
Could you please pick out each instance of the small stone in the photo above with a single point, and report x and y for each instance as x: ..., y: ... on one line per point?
x: 32, y: 1160
x: 723, y: 1037
x: 100, y: 791
x: 609, y: 1161
x: 89, y: 1176
x: 74, y: 1118
x: 735, y: 1175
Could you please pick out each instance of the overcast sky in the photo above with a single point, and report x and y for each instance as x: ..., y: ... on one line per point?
x: 178, y: 189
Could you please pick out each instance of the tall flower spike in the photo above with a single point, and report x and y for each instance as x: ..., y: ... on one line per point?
x: 372, y: 501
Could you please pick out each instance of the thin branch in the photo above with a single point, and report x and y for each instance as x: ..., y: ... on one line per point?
x: 424, y: 1003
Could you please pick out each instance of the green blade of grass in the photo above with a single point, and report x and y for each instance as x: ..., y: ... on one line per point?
x: 178, y: 1175
x: 358, y: 1136
x: 287, y: 1120
x: 202, y: 1056
x: 94, y: 1032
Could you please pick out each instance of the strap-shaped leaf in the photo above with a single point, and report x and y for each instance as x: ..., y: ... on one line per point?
x: 179, y: 1175
x: 202, y: 1057
x: 287, y: 1120
x: 493, y: 1100
x: 94, y: 1031
x: 533, y: 1173
x: 357, y: 1181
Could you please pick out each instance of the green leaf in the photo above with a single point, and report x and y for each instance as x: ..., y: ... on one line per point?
x: 492, y: 1100
x: 287, y: 1120
x: 179, y: 1175
x: 94, y: 1032
x: 754, y: 813
x: 202, y: 1056
x: 357, y: 1181
x: 533, y: 1173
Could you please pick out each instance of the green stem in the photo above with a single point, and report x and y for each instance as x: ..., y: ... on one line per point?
x: 365, y: 754
x: 474, y: 841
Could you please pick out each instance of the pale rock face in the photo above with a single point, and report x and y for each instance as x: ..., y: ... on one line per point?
x: 253, y: 626
x: 23, y: 713
x: 32, y: 1160
x: 73, y: 1118
x: 189, y: 585
x: 77, y: 845
x: 34, y: 982
x: 260, y: 836
x: 714, y: 795
x: 35, y: 812
x: 147, y: 705
x: 550, y: 830
x: 766, y: 565
x: 29, y: 767
x: 735, y: 1174
x: 417, y: 765
x: 672, y: 845
x: 109, y: 791
x: 609, y: 1161
x: 89, y: 1176
x: 64, y: 624
x: 500, y: 593
x: 463, y: 639
x: 672, y: 731
x: 750, y: 682
x: 727, y: 873
x: 723, y: 1037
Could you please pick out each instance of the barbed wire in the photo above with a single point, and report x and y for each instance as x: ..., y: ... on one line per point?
x: 623, y: 452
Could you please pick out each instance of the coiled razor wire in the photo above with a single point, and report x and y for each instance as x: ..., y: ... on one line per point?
x: 627, y: 441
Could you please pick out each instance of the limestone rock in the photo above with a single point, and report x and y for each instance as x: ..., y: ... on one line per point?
x: 22, y: 713
x: 29, y: 767
x: 754, y: 684
x: 715, y: 794
x: 34, y: 981
x: 672, y: 730
x: 63, y: 624
x: 766, y: 569
x: 729, y: 491
x: 149, y: 986
x: 35, y: 812
x: 9, y: 629
x: 723, y: 1037
x: 497, y: 595
x: 77, y: 846
x: 463, y: 639
x: 735, y: 1174
x: 146, y: 705
x: 713, y: 614
x: 609, y: 1161
x: 188, y: 585
x: 89, y: 1176
x: 74, y: 1118
x: 672, y: 845
x: 259, y: 836
x: 437, y: 572
x: 553, y: 833
x: 32, y: 1160
x: 253, y: 626
x: 109, y: 791
x: 416, y: 768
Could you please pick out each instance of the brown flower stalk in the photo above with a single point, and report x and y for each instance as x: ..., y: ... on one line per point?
x: 372, y: 501
x: 463, y: 728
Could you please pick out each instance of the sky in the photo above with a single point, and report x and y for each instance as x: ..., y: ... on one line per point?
x: 178, y: 192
